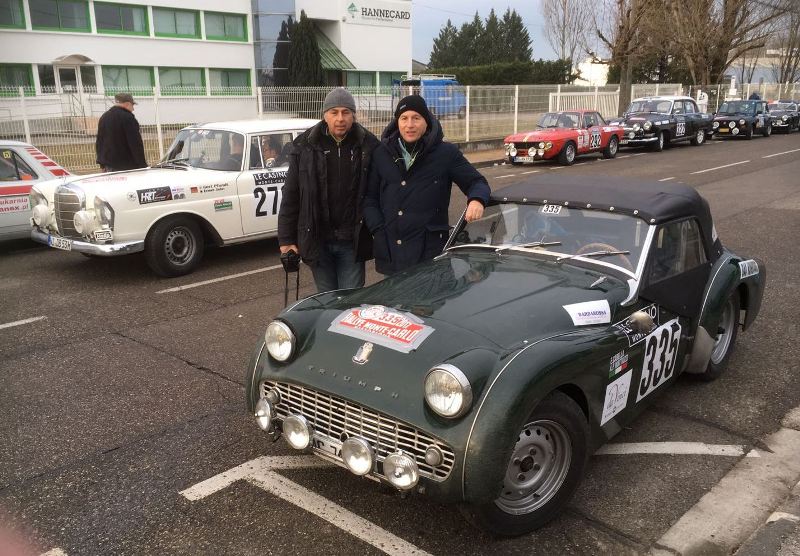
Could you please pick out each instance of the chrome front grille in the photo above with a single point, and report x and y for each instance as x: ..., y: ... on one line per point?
x: 68, y: 201
x: 337, y: 419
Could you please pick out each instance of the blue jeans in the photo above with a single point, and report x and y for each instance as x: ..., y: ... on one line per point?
x: 336, y: 268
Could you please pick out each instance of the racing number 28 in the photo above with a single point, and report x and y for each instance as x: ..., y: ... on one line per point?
x: 262, y: 195
x: 660, y: 355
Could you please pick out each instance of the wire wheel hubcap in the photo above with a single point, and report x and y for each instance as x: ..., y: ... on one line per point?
x: 570, y: 153
x: 179, y: 245
x: 701, y: 136
x: 612, y: 147
x: 538, y: 467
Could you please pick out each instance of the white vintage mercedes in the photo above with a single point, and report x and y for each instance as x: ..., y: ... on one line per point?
x: 219, y: 184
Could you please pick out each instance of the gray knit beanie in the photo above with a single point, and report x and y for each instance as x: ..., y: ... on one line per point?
x: 339, y: 97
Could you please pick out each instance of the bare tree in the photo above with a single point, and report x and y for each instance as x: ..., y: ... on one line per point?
x: 786, y: 67
x: 711, y: 35
x: 565, y: 26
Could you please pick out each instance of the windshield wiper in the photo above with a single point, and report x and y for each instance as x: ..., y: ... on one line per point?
x: 499, y: 250
x: 593, y: 254
x: 179, y: 162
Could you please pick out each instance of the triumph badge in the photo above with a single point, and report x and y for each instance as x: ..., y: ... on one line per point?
x: 362, y: 355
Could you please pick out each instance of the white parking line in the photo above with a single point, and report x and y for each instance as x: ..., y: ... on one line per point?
x: 21, y: 322
x: 676, y: 448
x: 625, y: 156
x: 667, y: 179
x: 220, y: 279
x: 579, y: 164
x: 638, y: 154
x: 557, y: 167
x: 531, y: 172
x: 506, y: 176
x: 261, y: 473
x: 720, y: 167
x: 778, y: 154
x: 54, y: 552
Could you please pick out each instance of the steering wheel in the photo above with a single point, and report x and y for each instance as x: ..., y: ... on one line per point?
x: 589, y: 247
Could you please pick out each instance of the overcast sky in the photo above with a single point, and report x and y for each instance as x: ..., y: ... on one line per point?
x: 430, y: 15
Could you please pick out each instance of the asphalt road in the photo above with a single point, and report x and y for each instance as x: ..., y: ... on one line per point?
x: 129, y: 391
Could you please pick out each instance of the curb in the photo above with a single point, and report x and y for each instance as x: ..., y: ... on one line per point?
x: 782, y: 523
x: 487, y: 163
x: 742, y: 501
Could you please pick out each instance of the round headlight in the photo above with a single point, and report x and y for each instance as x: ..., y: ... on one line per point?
x: 280, y: 340
x: 647, y: 125
x: 635, y: 127
x: 264, y: 414
x: 741, y: 122
x: 297, y: 431
x: 358, y: 455
x: 84, y: 223
x: 732, y: 124
x: 448, y: 391
x: 541, y: 152
x: 532, y: 151
x: 715, y: 125
x: 541, y: 144
x: 548, y: 145
x: 401, y: 471
x: 784, y: 117
x: 512, y: 151
x: 735, y: 131
x: 41, y: 215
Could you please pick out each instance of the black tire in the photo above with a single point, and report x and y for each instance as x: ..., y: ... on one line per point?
x: 727, y: 330
x: 749, y: 134
x: 174, y: 246
x: 612, y: 148
x: 568, y: 153
x: 557, y: 423
x: 767, y: 131
x: 659, y: 145
x: 699, y: 137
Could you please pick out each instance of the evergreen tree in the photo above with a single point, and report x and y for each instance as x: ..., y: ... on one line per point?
x: 466, y: 45
x: 280, y: 60
x: 305, y: 67
x: 490, y: 41
x: 516, y: 41
x: 443, y: 53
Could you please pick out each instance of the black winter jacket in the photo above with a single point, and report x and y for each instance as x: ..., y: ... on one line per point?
x: 119, y: 143
x: 406, y: 210
x: 302, y: 216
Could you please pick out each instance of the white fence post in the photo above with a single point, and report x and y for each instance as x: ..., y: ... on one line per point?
x: 747, y: 94
x: 558, y: 98
x: 25, y: 122
x: 656, y: 89
x: 260, y: 99
x: 516, y: 106
x: 158, y: 124
x: 466, y: 133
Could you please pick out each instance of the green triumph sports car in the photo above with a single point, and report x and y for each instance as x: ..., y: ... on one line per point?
x: 489, y: 375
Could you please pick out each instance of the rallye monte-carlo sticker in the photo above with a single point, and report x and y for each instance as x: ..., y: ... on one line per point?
x: 625, y: 326
x: 270, y: 177
x: 380, y: 325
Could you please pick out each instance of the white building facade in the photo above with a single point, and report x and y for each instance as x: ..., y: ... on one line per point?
x: 193, y: 47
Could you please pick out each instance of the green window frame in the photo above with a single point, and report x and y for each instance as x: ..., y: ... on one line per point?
x: 136, y: 89
x: 14, y: 76
x: 230, y: 23
x: 224, y: 81
x: 58, y: 10
x: 14, y: 18
x: 185, y: 87
x: 360, y: 78
x: 122, y: 31
x: 165, y: 13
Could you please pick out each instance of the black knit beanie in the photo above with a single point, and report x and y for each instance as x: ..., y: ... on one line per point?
x: 415, y: 103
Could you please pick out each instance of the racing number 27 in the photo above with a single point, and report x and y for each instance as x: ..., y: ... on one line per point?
x: 262, y: 195
x: 660, y: 355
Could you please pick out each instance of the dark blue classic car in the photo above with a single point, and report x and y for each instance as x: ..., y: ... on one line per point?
x: 488, y: 376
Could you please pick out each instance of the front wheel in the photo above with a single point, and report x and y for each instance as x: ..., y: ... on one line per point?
x: 174, y: 246
x: 611, y: 149
x: 567, y: 154
x: 767, y: 130
x: 546, y: 466
x: 661, y: 140
x: 727, y: 330
x: 699, y: 137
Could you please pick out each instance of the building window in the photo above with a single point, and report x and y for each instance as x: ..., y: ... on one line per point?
x: 360, y: 78
x: 11, y: 14
x: 182, y: 81
x: 229, y: 81
x: 272, y: 27
x: 137, y: 81
x: 121, y: 19
x: 47, y: 79
x: 88, y: 79
x: 62, y: 15
x: 14, y: 76
x: 387, y: 78
x: 176, y: 23
x: 273, y: 6
x: 226, y: 27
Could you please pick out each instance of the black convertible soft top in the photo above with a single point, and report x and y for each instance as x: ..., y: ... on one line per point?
x: 653, y: 202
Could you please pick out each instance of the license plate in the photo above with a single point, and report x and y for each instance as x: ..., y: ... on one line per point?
x: 523, y: 159
x: 623, y: 142
x: 326, y: 447
x: 724, y: 130
x: 103, y: 235
x: 59, y: 243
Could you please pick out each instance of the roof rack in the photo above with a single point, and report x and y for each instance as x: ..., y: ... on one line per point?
x: 423, y: 76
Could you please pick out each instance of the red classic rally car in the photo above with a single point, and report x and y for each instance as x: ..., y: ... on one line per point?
x: 564, y: 135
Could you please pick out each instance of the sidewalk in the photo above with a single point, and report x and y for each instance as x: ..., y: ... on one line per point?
x: 483, y: 159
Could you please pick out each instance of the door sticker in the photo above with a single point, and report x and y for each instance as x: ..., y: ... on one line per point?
x: 616, y: 397
x: 660, y: 356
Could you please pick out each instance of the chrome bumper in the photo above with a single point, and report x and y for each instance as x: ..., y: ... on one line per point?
x: 101, y: 250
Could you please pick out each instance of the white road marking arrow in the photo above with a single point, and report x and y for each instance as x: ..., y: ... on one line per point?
x: 261, y: 472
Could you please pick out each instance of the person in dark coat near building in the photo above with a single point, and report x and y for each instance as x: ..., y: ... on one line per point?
x: 320, y: 214
x: 119, y: 142
x: 410, y: 181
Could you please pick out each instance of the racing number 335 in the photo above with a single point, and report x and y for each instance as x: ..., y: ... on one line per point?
x: 661, y: 352
x: 261, y: 195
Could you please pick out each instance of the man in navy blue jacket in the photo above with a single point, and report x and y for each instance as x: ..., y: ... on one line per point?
x: 409, y: 187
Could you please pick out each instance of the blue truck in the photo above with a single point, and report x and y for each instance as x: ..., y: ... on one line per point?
x: 442, y: 93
